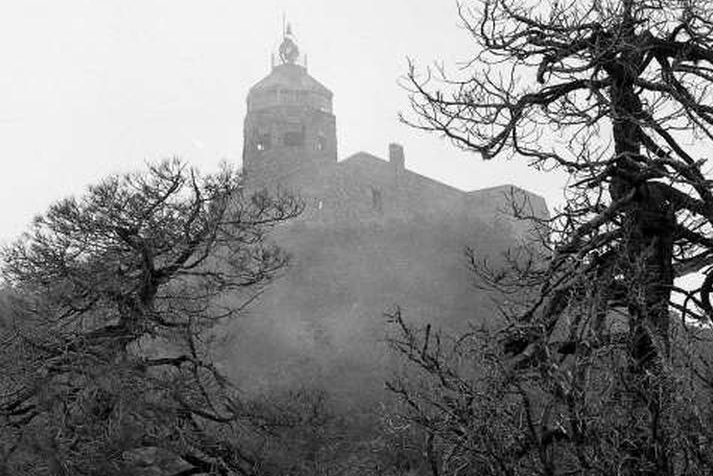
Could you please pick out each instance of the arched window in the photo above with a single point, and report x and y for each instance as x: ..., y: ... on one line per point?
x: 321, y: 142
x: 262, y: 141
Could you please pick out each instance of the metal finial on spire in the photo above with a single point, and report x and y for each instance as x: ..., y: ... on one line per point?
x: 289, y: 52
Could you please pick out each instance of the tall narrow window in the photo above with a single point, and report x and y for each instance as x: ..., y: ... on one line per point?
x: 321, y: 142
x: 376, y: 202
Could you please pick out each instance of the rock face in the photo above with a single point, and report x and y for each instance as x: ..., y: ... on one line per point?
x: 374, y: 235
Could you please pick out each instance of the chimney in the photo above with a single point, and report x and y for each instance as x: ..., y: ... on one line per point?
x: 396, y: 156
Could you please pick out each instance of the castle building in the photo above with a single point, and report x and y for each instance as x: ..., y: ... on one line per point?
x: 374, y: 235
x: 290, y: 130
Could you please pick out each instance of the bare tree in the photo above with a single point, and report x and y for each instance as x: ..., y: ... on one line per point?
x: 107, y: 358
x: 616, y: 93
x: 556, y: 410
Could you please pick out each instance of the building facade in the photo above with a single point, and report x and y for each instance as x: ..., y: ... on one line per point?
x: 374, y: 235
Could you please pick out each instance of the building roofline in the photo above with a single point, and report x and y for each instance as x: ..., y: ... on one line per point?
x: 496, y: 188
x: 367, y: 155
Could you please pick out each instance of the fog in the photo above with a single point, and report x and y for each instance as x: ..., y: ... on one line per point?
x: 92, y: 88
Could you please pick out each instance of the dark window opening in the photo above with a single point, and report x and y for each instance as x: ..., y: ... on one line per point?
x: 294, y: 138
x: 262, y: 142
x: 376, y: 202
x: 321, y: 142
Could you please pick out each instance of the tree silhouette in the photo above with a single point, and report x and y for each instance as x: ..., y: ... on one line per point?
x: 107, y: 354
x: 615, y: 93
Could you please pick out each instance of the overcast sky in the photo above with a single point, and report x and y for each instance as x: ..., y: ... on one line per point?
x: 89, y: 88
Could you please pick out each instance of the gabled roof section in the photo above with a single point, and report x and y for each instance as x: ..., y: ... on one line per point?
x: 370, y: 160
x: 506, y: 187
x: 363, y: 166
x: 362, y: 157
x: 529, y: 203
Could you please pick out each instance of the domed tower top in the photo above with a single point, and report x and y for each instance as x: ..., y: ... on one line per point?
x: 288, y: 82
x: 290, y: 132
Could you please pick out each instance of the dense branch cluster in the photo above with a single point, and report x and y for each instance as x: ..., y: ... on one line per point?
x: 614, y: 92
x: 107, y: 354
x: 603, y: 344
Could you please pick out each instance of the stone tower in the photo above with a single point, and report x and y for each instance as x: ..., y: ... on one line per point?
x: 289, y: 134
x: 374, y: 234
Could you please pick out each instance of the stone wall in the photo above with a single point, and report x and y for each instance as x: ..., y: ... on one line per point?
x: 374, y: 235
x: 322, y: 323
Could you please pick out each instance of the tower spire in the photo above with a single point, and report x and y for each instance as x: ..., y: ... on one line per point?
x: 289, y: 51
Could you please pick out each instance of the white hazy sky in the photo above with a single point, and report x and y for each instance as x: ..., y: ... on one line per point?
x: 89, y: 88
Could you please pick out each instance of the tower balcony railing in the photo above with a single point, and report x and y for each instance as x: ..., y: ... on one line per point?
x: 286, y: 97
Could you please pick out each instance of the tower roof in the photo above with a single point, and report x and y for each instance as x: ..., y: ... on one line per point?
x: 290, y: 72
x: 289, y: 84
x: 290, y: 76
